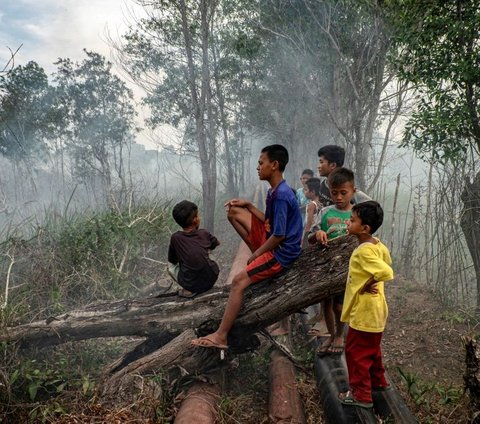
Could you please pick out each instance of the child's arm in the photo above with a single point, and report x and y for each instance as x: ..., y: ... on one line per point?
x: 172, y: 255
x: 308, y: 224
x: 317, y: 234
x: 271, y: 243
x: 241, y: 203
x: 213, y: 241
x: 377, y: 267
x: 370, y: 286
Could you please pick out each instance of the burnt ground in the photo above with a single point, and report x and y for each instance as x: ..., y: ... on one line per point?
x: 423, y: 351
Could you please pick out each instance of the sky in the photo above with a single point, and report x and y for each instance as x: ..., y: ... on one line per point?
x: 46, y: 30
x: 49, y: 29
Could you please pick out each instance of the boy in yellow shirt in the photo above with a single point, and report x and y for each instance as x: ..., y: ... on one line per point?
x: 364, y: 306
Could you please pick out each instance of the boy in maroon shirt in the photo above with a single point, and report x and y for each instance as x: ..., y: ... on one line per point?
x: 189, y: 263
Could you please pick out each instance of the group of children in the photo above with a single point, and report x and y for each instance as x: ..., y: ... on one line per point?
x: 333, y: 207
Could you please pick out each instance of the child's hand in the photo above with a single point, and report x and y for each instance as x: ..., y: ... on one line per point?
x: 321, y: 237
x: 252, y: 258
x: 370, y: 286
x: 236, y: 202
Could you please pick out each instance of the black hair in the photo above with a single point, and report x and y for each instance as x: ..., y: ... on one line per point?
x: 340, y: 176
x: 370, y: 213
x: 184, y: 212
x: 277, y: 152
x: 308, y: 172
x: 333, y: 154
x: 313, y: 184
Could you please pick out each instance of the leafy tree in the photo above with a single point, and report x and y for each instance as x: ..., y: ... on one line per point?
x: 24, y: 112
x: 324, y: 78
x: 183, y: 54
x: 437, y: 52
x: 100, y: 121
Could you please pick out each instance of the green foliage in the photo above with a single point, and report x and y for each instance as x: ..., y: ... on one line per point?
x: 98, y: 255
x: 24, y: 112
x: 437, y: 50
x: 35, y: 381
x: 424, y: 393
x: 99, y: 118
x: 47, y: 413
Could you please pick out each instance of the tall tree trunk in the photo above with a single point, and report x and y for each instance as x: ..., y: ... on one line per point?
x: 200, y: 99
x: 470, y: 226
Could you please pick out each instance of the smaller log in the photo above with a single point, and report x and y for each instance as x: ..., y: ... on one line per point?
x: 177, y: 354
x: 200, y: 405
x: 285, y: 405
x: 472, y: 376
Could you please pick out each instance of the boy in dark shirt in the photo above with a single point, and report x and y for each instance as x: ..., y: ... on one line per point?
x: 189, y: 262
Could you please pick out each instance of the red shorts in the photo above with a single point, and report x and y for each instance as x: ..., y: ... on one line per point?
x: 266, y: 265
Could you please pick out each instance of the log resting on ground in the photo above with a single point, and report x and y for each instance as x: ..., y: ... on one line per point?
x: 318, y: 273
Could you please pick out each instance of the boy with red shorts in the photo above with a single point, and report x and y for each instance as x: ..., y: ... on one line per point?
x: 274, y: 237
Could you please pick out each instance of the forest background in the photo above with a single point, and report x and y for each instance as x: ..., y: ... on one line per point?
x: 84, y: 207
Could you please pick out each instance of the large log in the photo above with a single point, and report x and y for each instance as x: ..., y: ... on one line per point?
x: 317, y: 274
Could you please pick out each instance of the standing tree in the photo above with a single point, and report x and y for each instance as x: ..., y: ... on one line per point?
x: 25, y: 116
x: 169, y: 54
x: 100, y: 122
x: 437, y: 52
x: 325, y: 77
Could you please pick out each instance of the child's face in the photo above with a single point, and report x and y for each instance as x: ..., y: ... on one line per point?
x: 196, y: 221
x: 309, y: 194
x: 342, y: 195
x: 325, y: 167
x: 355, y: 226
x: 266, y: 167
x: 304, y: 178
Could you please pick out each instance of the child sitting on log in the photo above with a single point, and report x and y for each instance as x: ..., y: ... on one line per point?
x: 189, y: 262
x: 274, y: 237
x: 364, y: 307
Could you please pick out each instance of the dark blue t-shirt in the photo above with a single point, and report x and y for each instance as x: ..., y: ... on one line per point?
x: 283, y: 218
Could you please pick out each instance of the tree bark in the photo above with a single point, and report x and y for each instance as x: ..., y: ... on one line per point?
x: 471, y: 229
x: 318, y: 273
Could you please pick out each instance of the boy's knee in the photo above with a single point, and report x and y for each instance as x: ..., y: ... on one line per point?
x: 232, y: 212
x: 241, y: 281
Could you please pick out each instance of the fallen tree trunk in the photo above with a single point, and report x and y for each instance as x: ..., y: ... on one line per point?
x: 317, y: 274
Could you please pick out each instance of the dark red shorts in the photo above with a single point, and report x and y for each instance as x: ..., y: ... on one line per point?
x: 266, y: 265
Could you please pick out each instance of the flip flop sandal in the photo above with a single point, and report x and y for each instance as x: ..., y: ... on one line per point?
x: 186, y: 295
x: 335, y: 349
x: 322, y: 350
x: 210, y: 343
x: 348, y: 399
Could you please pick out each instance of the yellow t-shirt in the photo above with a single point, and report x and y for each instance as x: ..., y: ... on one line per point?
x: 367, y: 312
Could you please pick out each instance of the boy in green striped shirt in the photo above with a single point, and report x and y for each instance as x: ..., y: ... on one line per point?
x: 332, y: 223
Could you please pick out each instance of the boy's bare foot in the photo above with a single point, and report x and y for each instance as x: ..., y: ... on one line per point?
x: 316, y: 332
x: 337, y: 346
x: 186, y: 294
x: 212, y: 340
x: 279, y: 331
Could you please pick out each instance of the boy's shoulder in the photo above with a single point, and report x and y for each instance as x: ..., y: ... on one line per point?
x: 369, y: 248
x: 284, y: 191
x: 332, y: 209
x: 328, y: 208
